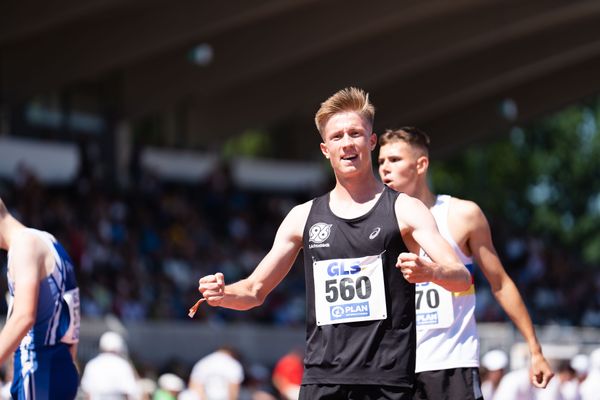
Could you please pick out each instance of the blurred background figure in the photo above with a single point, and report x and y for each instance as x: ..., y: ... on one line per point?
x: 494, y: 364
x: 110, y: 375
x: 564, y: 386
x: 581, y: 364
x: 516, y: 385
x: 590, y: 387
x: 217, y: 376
x: 257, y: 384
x: 287, y: 375
x: 147, y: 387
x: 169, y: 387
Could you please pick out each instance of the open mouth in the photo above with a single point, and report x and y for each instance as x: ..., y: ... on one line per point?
x: 350, y: 158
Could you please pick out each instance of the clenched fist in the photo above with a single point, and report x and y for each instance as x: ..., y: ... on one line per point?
x: 416, y: 269
x: 212, y: 288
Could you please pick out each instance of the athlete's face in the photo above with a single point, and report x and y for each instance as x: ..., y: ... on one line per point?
x: 400, y: 166
x: 348, y: 141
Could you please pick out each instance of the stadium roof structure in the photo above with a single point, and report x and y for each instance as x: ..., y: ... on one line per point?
x: 457, y: 68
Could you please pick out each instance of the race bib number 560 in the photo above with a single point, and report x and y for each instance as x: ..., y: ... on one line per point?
x: 349, y: 290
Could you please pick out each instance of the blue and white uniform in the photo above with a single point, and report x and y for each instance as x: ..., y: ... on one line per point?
x: 43, y: 366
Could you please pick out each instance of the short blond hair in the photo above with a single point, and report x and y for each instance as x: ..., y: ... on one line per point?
x: 346, y: 100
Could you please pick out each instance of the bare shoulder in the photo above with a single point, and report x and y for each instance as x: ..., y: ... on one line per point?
x: 300, y: 212
x: 26, y: 240
x: 467, y: 211
x: 408, y: 202
x: 410, y: 211
x: 27, y: 250
x: 296, y: 219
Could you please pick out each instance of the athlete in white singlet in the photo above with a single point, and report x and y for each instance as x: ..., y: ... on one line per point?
x: 447, y: 342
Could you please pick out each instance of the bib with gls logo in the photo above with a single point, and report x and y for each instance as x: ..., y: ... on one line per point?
x: 349, y: 290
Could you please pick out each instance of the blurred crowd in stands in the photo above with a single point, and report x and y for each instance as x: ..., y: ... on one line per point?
x: 140, y: 251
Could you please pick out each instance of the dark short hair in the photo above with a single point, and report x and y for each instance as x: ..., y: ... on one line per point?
x: 408, y: 134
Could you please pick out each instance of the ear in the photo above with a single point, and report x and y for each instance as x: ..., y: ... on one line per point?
x: 324, y: 150
x: 422, y: 165
x: 373, y: 141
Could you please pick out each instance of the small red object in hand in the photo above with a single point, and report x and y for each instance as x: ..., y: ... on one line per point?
x: 194, y: 308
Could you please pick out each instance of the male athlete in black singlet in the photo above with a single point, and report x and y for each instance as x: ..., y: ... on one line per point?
x: 361, y: 243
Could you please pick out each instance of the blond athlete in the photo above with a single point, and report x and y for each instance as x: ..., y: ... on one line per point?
x: 447, y: 341
x: 359, y: 243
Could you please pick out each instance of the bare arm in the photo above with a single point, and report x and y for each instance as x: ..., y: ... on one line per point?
x: 252, y: 291
x: 419, y: 230
x: 26, y: 267
x: 504, y: 289
x: 73, y: 350
x: 234, y: 391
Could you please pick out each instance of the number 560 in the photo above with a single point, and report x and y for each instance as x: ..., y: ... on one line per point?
x: 347, y: 289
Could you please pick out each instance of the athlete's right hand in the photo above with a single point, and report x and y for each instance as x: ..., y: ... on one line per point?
x: 414, y: 268
x: 212, y: 288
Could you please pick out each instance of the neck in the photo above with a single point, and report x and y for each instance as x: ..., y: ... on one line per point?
x: 8, y: 227
x: 424, y: 194
x: 358, y: 189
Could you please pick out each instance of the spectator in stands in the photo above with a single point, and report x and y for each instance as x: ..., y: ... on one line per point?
x: 110, y: 374
x: 515, y: 385
x: 169, y: 387
x: 217, y: 376
x: 287, y: 375
x: 590, y: 387
x: 494, y: 364
x: 564, y: 386
x: 581, y: 364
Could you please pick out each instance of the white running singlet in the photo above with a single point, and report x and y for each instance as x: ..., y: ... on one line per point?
x: 443, y: 344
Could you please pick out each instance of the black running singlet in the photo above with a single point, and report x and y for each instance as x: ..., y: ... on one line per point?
x: 360, y: 309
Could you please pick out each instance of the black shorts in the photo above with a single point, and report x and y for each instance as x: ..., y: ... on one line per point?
x: 448, y: 384
x: 354, y: 392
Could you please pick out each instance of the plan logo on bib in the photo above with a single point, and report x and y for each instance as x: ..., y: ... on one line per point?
x: 318, y: 234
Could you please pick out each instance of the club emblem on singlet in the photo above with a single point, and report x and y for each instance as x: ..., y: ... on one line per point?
x: 318, y: 234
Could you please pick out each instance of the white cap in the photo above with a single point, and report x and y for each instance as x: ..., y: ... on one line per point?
x: 113, y: 342
x: 494, y: 360
x: 581, y: 364
x: 171, y: 383
x: 595, y: 359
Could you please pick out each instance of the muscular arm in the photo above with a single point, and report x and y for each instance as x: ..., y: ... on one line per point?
x: 504, y: 289
x: 252, y: 291
x: 26, y: 267
x: 419, y: 230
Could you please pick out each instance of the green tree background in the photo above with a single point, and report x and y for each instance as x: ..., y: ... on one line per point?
x: 542, y: 179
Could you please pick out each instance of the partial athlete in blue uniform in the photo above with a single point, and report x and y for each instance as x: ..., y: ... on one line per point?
x: 42, y: 328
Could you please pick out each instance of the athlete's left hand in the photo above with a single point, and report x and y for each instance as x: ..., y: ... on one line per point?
x: 416, y: 269
x: 540, y: 372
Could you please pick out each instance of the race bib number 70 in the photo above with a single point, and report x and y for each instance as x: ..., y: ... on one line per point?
x: 434, y: 306
x: 349, y: 290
